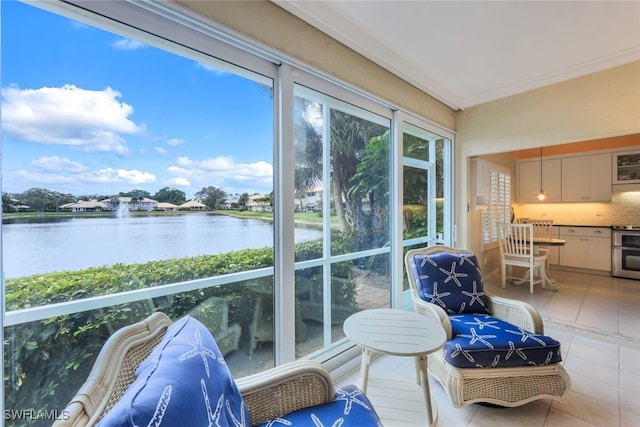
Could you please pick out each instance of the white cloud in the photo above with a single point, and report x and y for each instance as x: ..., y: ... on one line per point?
x: 132, y: 176
x: 127, y: 44
x: 175, y: 141
x: 224, y: 172
x: 211, y: 69
x: 29, y: 178
x: 260, y: 169
x: 87, y: 119
x: 178, y: 182
x: 217, y: 164
x: 65, y: 175
x: 55, y: 164
x: 161, y: 150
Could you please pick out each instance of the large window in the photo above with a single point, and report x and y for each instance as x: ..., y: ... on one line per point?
x: 137, y: 171
x: 144, y: 169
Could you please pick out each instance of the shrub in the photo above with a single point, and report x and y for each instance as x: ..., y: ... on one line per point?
x: 47, y: 361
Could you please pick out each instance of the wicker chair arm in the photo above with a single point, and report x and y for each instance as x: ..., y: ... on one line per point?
x: 114, y: 370
x: 432, y: 311
x: 517, y: 312
x: 286, y: 388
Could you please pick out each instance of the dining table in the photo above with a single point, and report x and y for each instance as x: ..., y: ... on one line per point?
x: 541, y: 242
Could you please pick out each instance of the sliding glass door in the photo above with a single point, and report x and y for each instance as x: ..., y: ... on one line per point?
x: 426, y: 213
x: 342, y: 187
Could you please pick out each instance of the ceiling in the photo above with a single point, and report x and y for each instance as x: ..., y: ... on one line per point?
x: 466, y: 53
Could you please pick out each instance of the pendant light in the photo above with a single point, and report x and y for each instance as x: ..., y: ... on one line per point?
x: 541, y: 196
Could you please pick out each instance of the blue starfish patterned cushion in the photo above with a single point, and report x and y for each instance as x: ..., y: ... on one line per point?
x: 184, y: 381
x: 350, y: 408
x: 483, y: 341
x: 452, y: 281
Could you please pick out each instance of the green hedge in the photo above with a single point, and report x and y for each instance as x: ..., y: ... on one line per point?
x: 46, y: 361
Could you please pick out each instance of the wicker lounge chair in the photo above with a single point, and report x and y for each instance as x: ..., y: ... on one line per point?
x: 503, y: 386
x: 268, y: 395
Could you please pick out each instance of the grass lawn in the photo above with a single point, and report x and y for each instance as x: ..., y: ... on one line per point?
x: 308, y: 218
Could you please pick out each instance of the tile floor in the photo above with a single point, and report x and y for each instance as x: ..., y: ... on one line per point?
x: 597, y: 320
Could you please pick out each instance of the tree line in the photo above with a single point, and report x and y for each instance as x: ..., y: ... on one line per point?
x: 45, y: 200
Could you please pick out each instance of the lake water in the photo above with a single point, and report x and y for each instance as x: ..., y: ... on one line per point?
x: 78, y: 243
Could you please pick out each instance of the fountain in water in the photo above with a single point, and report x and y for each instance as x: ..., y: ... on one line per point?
x: 122, y: 211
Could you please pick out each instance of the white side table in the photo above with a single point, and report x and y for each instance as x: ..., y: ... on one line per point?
x: 397, y: 333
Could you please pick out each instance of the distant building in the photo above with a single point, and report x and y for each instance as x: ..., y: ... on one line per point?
x: 86, y: 206
x: 166, y: 206
x: 259, y: 203
x: 131, y: 204
x: 311, y: 201
x: 194, y: 205
x: 230, y: 204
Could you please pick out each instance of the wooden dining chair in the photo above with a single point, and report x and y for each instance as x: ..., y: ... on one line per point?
x: 542, y: 228
x: 516, y: 250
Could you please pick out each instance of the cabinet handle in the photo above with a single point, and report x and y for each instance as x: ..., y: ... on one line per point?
x: 598, y: 232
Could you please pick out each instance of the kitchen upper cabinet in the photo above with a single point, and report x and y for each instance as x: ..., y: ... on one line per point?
x: 586, y: 247
x: 586, y: 178
x: 529, y: 180
x: 626, y: 168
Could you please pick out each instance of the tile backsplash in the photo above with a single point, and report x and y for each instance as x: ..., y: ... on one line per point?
x: 623, y: 209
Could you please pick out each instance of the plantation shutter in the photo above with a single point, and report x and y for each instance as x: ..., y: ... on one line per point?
x: 500, y: 202
x: 492, y: 198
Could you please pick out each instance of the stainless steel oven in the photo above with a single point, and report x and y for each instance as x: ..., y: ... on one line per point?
x: 625, y: 251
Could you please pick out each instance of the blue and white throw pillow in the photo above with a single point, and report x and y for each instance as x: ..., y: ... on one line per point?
x: 184, y: 382
x: 350, y: 408
x: 451, y: 280
x: 483, y: 341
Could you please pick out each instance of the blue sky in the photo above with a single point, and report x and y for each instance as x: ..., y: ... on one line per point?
x: 85, y: 111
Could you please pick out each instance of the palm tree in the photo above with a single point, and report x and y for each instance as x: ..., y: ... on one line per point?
x: 349, y: 136
x: 308, y: 152
x: 371, y: 183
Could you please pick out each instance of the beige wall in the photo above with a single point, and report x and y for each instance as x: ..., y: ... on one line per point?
x: 272, y: 26
x: 600, y: 105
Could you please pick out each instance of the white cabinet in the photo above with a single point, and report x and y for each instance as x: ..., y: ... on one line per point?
x: 586, y: 178
x: 626, y: 168
x: 586, y: 247
x: 529, y: 180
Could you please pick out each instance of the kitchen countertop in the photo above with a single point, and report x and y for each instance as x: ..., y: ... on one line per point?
x: 582, y: 225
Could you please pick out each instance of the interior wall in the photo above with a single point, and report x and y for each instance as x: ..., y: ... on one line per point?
x: 272, y: 26
x: 600, y: 105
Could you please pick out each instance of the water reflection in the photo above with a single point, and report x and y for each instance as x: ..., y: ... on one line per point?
x: 40, y: 244
x: 34, y: 219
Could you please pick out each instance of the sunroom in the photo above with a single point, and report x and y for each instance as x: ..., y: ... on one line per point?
x: 233, y: 101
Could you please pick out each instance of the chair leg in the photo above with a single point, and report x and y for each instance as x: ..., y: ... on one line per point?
x: 532, y: 276
x: 504, y: 278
